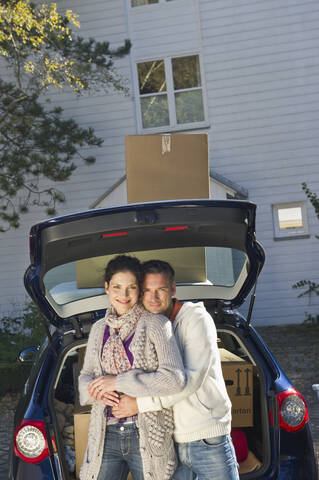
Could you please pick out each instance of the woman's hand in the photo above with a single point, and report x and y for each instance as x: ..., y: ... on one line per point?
x: 101, y: 386
x: 111, y: 399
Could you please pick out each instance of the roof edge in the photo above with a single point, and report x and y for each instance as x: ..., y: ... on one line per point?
x: 110, y: 190
x: 241, y: 191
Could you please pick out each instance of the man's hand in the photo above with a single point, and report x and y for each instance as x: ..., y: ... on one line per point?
x: 101, y: 386
x: 126, y: 407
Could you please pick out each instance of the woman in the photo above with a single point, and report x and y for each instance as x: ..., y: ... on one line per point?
x: 129, y: 338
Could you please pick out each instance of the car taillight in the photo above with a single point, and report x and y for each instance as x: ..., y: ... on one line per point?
x: 113, y: 234
x: 30, y: 441
x: 293, y: 410
x: 174, y: 229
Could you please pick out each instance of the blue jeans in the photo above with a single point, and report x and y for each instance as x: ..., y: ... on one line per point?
x: 208, y: 459
x: 121, y: 453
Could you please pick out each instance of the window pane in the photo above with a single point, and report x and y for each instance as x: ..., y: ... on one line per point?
x: 189, y: 106
x: 224, y: 265
x: 61, y: 284
x: 136, y: 3
x: 290, y: 217
x: 186, y: 72
x: 154, y: 111
x: 151, y: 77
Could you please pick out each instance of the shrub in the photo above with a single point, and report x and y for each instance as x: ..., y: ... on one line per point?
x: 13, y: 376
x: 30, y: 323
x: 17, y: 333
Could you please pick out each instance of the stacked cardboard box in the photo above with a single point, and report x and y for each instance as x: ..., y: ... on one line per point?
x: 238, y: 376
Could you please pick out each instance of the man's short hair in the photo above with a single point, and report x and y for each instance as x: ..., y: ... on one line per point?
x: 159, y: 266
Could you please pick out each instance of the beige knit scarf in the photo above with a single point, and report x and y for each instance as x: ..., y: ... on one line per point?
x: 114, y: 357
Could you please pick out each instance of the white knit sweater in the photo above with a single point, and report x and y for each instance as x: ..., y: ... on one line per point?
x: 202, y: 409
x: 159, y: 371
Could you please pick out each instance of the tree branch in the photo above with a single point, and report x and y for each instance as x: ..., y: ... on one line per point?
x: 11, y: 107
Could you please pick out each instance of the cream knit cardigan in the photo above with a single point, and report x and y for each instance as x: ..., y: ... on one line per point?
x: 157, y: 370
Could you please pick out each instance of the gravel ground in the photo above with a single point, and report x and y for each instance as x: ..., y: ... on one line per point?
x: 295, y: 348
x: 7, y: 408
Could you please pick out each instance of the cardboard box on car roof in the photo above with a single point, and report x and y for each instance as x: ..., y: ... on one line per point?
x: 167, y: 167
x: 170, y: 167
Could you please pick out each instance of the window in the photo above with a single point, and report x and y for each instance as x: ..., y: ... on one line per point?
x: 214, y: 266
x: 137, y: 3
x: 170, y: 92
x: 290, y: 220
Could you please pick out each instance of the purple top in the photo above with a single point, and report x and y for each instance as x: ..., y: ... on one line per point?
x: 127, y: 343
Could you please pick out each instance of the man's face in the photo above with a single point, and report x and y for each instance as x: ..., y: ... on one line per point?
x: 157, y: 293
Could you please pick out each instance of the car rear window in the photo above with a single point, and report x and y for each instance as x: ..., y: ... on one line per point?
x: 216, y: 266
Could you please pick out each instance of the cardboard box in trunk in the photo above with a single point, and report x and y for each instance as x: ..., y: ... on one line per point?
x: 167, y: 167
x: 238, y: 376
x: 81, y: 428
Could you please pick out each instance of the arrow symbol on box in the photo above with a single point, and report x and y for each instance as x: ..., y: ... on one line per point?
x: 238, y: 392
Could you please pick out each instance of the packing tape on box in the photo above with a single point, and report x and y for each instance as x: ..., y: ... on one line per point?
x: 166, y: 144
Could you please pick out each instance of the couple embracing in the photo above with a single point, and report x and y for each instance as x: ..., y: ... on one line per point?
x: 152, y: 374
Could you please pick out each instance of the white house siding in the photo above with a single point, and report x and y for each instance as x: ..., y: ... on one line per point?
x: 261, y: 64
x: 164, y: 29
x: 260, y: 70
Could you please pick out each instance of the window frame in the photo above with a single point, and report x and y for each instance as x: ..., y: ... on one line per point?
x: 173, y: 125
x: 147, y: 5
x: 293, y: 233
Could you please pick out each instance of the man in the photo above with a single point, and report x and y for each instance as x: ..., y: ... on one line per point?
x: 202, y: 411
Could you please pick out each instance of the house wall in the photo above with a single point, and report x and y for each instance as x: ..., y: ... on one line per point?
x: 260, y: 82
x: 261, y: 66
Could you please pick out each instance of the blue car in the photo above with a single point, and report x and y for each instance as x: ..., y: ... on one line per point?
x: 213, y: 248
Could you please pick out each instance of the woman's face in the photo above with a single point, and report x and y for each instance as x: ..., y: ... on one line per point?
x: 123, y: 291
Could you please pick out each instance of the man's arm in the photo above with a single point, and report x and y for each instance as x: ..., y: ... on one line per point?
x: 200, y: 353
x: 168, y: 377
